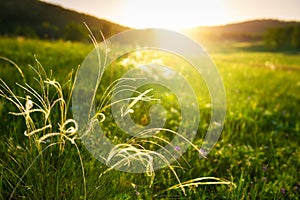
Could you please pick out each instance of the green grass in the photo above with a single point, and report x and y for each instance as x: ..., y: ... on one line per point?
x: 258, y: 150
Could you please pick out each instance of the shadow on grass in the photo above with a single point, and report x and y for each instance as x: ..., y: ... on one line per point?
x: 260, y: 47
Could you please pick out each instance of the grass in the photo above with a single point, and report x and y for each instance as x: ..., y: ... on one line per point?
x: 258, y: 150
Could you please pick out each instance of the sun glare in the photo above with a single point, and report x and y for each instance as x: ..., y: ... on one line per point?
x: 172, y: 14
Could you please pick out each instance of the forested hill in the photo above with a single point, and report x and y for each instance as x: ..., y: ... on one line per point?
x: 258, y: 26
x: 248, y: 30
x: 34, y: 18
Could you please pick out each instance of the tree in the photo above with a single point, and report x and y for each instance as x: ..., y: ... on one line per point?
x: 47, y: 30
x: 283, y: 38
x: 295, y: 40
x: 75, y: 32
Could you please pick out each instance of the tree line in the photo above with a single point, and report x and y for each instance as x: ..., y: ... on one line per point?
x: 283, y: 38
x: 37, y: 19
x: 72, y: 31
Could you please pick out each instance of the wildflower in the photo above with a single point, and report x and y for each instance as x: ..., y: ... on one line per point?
x: 297, y: 187
x: 134, y: 186
x: 264, y: 168
x: 264, y: 179
x: 137, y: 193
x: 282, y: 190
x: 177, y: 148
x: 203, y: 153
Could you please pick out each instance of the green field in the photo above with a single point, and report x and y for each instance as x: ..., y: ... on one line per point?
x: 258, y: 151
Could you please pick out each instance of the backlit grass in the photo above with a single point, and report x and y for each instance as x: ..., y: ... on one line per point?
x: 258, y: 150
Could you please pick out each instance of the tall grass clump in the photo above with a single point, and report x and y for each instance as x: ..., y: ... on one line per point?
x: 53, y: 164
x: 45, y: 109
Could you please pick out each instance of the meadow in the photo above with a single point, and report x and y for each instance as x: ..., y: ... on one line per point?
x: 256, y: 157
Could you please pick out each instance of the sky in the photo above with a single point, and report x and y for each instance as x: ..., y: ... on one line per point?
x: 177, y: 14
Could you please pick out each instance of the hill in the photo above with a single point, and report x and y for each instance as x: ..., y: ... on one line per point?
x: 37, y: 19
x: 34, y: 18
x: 249, y: 30
x: 251, y: 27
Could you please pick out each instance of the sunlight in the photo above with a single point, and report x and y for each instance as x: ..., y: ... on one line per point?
x: 173, y: 14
